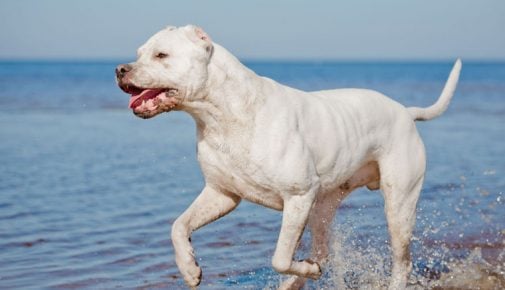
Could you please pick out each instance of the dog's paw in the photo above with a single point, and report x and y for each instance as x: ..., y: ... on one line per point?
x: 292, y: 283
x: 315, y: 270
x: 192, y: 274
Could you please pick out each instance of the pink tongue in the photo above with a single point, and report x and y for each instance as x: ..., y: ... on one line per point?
x: 136, y: 100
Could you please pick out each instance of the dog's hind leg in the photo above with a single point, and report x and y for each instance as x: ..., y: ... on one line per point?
x: 401, y: 216
x: 322, y: 215
x: 320, y: 221
x: 294, y: 218
x: 401, y: 181
x: 207, y: 207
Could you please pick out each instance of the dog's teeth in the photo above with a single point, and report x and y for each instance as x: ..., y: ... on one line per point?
x: 143, y: 105
x: 150, y: 105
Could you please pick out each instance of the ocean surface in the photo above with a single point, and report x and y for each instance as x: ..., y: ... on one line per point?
x: 88, y: 191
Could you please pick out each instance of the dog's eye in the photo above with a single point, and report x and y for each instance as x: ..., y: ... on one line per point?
x: 161, y: 55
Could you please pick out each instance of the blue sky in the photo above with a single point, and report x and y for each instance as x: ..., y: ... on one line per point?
x: 263, y: 29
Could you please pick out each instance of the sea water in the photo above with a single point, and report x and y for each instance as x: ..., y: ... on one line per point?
x: 88, y: 192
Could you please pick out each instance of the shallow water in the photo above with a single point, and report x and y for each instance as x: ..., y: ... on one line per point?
x: 88, y: 192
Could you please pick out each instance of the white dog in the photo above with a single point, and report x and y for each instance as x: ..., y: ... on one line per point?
x: 297, y: 152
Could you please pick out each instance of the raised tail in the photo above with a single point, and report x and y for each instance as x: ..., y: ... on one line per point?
x: 435, y: 110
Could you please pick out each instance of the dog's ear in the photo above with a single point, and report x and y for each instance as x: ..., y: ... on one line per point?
x: 199, y: 36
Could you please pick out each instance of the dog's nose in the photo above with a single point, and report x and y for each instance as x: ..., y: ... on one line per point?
x: 122, y: 69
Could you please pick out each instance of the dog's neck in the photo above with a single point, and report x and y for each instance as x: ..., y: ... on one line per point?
x: 232, y: 96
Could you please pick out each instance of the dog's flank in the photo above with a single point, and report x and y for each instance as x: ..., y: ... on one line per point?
x: 282, y: 148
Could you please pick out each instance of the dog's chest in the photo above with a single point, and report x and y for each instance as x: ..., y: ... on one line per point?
x: 226, y: 163
x: 228, y: 166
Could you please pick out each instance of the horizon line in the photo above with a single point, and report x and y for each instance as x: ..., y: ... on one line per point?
x: 260, y: 60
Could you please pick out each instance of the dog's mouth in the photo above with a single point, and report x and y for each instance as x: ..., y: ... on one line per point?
x: 150, y: 97
x: 148, y: 102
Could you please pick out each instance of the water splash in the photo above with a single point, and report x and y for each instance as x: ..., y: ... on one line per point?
x: 358, y: 263
x: 472, y: 272
x: 354, y: 265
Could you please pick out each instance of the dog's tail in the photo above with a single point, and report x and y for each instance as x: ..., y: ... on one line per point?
x: 435, y: 110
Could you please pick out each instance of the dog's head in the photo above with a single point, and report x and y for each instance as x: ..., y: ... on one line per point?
x: 171, y: 68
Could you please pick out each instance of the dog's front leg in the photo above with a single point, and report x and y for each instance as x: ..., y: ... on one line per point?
x: 207, y: 207
x: 294, y: 219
